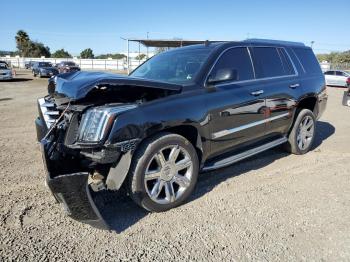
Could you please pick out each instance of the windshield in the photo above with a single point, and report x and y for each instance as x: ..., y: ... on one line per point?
x: 44, y: 64
x: 179, y: 67
x: 3, y: 66
x: 69, y: 63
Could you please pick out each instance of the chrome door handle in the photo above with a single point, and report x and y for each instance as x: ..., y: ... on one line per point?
x: 257, y: 93
x: 294, y: 86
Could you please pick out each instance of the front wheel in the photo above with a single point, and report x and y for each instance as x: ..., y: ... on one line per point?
x: 302, y: 135
x: 163, y: 172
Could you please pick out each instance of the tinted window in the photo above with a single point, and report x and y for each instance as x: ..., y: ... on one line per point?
x: 329, y: 73
x: 237, y: 59
x: 338, y: 73
x: 308, y: 60
x: 287, y: 64
x: 269, y: 63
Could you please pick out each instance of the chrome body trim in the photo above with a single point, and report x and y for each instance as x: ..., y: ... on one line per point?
x: 240, y: 128
x: 49, y: 113
x: 235, y: 158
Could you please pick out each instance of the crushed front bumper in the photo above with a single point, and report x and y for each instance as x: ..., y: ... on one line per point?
x: 73, y: 192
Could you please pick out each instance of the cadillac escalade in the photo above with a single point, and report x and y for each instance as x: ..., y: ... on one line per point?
x: 185, y: 111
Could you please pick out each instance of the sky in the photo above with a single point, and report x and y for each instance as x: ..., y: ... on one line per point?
x: 76, y: 24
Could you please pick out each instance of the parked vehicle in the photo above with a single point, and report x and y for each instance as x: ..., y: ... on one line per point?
x: 346, y: 97
x: 187, y: 110
x: 29, y: 65
x: 4, y: 62
x: 5, y: 71
x: 67, y: 66
x: 42, y: 69
x: 337, y: 78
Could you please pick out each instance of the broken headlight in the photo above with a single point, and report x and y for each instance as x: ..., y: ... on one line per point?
x: 96, y: 122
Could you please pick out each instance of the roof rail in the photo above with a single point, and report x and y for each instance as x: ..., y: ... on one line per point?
x: 268, y: 41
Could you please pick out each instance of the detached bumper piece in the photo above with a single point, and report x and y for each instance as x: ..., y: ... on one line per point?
x: 73, y: 192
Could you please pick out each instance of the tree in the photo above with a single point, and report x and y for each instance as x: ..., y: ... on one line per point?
x: 38, y: 49
x: 29, y: 48
x: 140, y: 57
x: 61, y: 53
x: 87, y: 53
x: 22, y: 43
x: 114, y: 56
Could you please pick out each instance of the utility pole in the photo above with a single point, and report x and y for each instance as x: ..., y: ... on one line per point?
x: 312, y: 43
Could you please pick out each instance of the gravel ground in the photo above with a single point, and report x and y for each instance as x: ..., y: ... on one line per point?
x: 273, y: 206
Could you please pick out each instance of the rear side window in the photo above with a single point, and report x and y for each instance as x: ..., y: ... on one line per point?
x: 329, y: 73
x: 268, y: 62
x: 338, y: 73
x: 308, y: 60
x: 287, y: 64
x: 237, y: 59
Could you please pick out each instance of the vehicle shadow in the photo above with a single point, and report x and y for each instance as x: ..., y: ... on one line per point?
x: 19, y: 79
x: 120, y: 212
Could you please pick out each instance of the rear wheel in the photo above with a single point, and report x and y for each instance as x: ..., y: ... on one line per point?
x: 302, y: 135
x: 163, y: 173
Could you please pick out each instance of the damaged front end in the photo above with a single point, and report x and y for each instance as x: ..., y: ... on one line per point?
x: 76, y: 161
x: 74, y: 132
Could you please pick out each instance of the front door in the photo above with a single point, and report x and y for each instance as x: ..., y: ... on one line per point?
x: 236, y: 105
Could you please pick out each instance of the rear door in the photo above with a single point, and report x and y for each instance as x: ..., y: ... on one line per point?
x: 237, y: 106
x: 278, y: 78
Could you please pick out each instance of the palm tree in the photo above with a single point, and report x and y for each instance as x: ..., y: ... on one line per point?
x: 22, y: 42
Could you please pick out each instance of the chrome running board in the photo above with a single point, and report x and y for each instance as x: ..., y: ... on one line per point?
x: 251, y: 152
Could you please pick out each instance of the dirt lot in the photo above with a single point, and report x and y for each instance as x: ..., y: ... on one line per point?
x: 271, y: 207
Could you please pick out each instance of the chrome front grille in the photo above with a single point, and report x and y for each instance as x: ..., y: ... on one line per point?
x: 49, y: 112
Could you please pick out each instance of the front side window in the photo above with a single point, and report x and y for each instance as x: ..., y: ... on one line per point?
x: 268, y: 62
x: 236, y: 60
x: 178, y: 66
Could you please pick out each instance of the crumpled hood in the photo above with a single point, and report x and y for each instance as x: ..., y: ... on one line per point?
x: 76, y: 85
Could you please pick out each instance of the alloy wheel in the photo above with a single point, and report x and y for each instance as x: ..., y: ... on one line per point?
x: 305, y: 132
x: 168, y: 174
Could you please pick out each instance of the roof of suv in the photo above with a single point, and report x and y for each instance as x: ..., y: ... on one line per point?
x: 212, y: 45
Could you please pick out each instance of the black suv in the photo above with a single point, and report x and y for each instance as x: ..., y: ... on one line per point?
x: 184, y: 111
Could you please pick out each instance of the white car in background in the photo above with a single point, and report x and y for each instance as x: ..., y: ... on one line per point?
x: 5, y: 72
x: 337, y: 78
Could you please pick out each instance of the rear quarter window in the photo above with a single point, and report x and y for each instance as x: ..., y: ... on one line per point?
x: 308, y: 60
x: 272, y: 62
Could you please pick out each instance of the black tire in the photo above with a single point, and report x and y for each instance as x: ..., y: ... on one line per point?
x: 292, y: 145
x: 34, y: 73
x: 141, y: 159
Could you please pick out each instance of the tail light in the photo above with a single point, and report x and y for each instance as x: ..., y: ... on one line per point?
x: 348, y: 81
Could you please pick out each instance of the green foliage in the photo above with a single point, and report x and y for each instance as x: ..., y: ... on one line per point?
x: 335, y: 57
x: 29, y: 48
x: 61, y: 53
x: 87, y: 53
x: 113, y: 56
x: 140, y: 57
